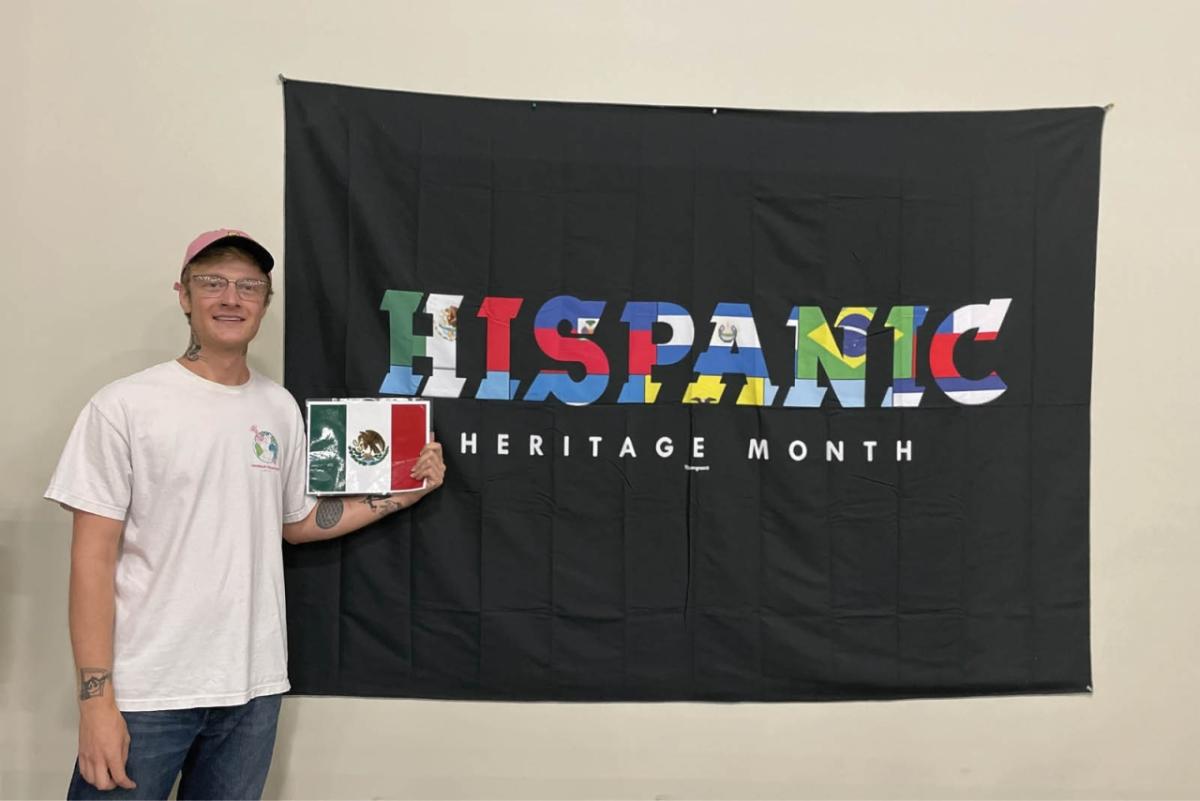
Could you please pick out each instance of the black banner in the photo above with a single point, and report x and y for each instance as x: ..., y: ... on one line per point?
x: 736, y: 405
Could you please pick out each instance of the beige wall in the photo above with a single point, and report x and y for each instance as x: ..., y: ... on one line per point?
x: 125, y: 127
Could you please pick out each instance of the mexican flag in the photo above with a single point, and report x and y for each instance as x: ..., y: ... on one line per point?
x: 364, y: 445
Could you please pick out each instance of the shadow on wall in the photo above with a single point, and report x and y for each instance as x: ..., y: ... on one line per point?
x: 36, y: 667
x: 284, y: 741
x: 8, y: 606
x: 35, y: 646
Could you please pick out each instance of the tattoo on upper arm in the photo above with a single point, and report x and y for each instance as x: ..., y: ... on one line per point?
x: 329, y: 512
x: 382, y: 504
x: 92, y: 681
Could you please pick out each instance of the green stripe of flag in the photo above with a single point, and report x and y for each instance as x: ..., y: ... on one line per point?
x: 327, y: 448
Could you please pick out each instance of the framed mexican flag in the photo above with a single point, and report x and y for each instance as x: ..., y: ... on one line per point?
x: 365, y: 445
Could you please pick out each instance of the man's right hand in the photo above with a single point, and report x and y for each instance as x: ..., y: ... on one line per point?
x: 103, y: 745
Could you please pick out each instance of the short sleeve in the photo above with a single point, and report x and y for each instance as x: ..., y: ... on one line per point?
x: 296, y: 502
x: 95, y: 472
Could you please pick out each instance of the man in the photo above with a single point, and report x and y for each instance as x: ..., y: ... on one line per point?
x: 181, y: 479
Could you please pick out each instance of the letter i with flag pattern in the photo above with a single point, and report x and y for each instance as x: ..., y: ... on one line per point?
x: 497, y: 384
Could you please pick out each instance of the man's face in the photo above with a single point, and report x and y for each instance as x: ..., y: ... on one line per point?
x: 226, y: 320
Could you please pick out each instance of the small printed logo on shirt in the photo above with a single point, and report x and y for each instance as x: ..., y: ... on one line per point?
x: 266, y: 449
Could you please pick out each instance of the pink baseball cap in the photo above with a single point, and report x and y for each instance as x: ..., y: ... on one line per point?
x: 229, y: 236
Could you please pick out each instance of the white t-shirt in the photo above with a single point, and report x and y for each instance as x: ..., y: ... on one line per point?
x: 204, y: 476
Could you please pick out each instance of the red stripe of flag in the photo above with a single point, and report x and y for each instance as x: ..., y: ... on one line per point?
x: 408, y: 437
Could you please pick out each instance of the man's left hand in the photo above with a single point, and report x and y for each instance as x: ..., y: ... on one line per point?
x: 430, y: 467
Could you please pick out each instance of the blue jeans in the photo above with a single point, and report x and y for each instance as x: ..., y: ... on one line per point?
x: 223, y: 752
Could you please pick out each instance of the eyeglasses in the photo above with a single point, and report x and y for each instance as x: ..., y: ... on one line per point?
x: 247, y: 288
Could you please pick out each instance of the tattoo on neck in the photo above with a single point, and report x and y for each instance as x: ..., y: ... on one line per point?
x: 329, y: 512
x: 382, y: 504
x: 192, y: 354
x: 92, y: 681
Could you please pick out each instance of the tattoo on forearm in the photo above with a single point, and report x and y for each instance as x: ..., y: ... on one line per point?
x: 92, y: 681
x: 382, y: 504
x: 329, y: 512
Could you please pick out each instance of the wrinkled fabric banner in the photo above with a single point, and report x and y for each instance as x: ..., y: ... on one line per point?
x: 736, y: 405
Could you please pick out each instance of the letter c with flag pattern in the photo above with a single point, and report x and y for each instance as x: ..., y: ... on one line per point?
x: 985, y: 320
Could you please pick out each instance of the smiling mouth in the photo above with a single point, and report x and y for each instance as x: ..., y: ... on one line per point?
x: 229, y: 319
